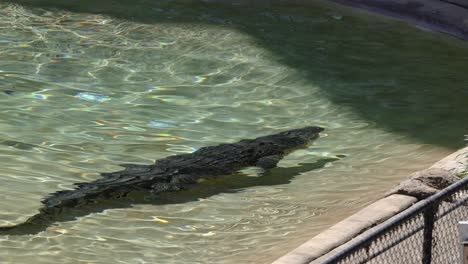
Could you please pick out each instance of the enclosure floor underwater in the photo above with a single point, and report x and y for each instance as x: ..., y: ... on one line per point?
x: 85, y: 87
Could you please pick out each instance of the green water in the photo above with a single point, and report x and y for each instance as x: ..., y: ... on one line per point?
x: 86, y: 87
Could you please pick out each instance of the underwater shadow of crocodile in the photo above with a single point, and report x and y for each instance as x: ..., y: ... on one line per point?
x: 179, y: 173
x: 394, y: 76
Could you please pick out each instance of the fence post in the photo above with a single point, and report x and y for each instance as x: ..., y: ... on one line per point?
x: 429, y: 218
x: 463, y: 234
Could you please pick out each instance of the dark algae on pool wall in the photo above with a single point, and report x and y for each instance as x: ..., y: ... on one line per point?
x: 174, y: 173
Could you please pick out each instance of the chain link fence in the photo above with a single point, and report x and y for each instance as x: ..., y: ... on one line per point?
x: 425, y: 233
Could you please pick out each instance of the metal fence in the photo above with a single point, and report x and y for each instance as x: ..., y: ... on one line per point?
x: 424, y: 233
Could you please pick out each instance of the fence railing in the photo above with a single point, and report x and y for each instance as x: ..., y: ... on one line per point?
x: 425, y: 233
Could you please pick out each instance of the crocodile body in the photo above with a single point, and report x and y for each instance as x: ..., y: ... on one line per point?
x: 176, y: 172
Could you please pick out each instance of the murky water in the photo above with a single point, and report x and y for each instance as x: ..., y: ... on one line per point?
x: 90, y: 87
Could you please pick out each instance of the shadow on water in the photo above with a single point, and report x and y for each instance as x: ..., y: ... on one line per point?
x: 228, y: 184
x: 396, y: 77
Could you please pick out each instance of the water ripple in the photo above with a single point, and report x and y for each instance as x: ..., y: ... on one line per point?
x: 82, y: 92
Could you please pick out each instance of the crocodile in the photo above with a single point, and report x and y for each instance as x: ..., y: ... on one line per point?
x: 171, y: 174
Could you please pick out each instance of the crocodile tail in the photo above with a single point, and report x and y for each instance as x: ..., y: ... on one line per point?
x: 21, y: 229
x: 70, y: 198
x: 53, y: 206
x: 33, y: 225
x: 85, y: 193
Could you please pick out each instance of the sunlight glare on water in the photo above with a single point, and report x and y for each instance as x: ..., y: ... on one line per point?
x: 81, y: 92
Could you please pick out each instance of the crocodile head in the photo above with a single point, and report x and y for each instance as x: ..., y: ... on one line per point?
x: 298, y: 138
x: 301, y: 135
x: 287, y: 141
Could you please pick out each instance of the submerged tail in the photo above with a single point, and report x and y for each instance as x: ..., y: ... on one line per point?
x: 85, y: 194
x: 33, y: 225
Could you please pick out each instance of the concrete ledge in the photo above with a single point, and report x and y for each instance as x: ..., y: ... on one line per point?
x: 443, y: 173
x: 455, y: 163
x: 357, y: 225
x: 345, y: 230
x: 343, y: 246
x: 448, y: 16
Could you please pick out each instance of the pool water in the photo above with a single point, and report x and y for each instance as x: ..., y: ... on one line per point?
x: 86, y: 87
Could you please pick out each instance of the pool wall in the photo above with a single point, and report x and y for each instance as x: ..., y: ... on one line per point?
x: 448, y: 16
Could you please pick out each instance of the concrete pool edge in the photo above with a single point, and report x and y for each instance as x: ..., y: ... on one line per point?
x: 339, y: 235
x: 447, y: 16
